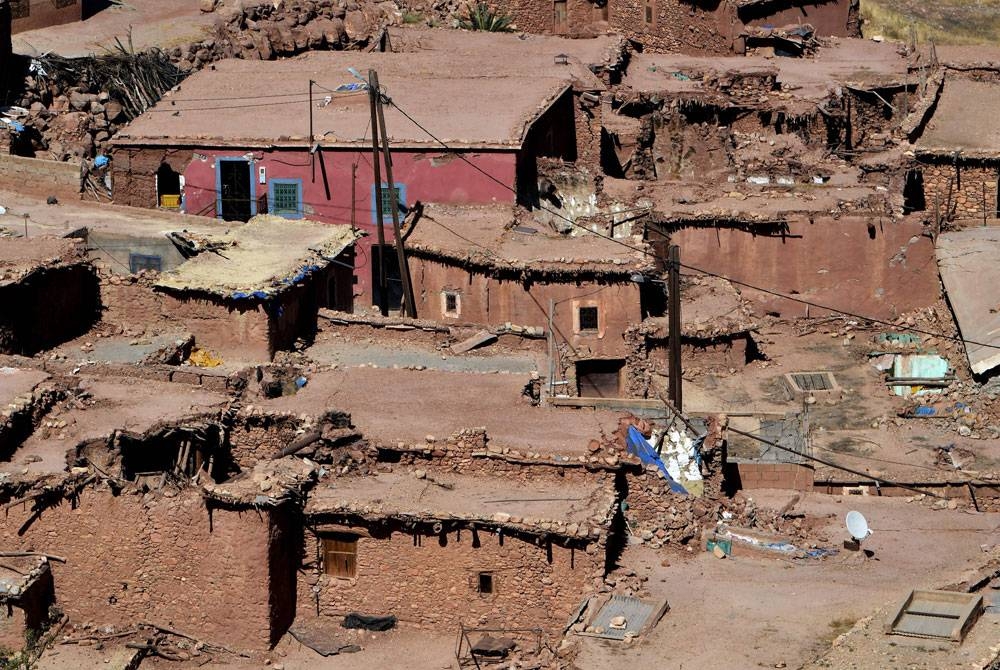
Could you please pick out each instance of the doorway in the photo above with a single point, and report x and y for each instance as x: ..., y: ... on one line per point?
x: 599, y: 378
x: 168, y: 187
x: 235, y: 196
x: 393, y: 277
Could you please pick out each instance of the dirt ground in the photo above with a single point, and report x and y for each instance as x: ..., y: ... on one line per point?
x: 150, y: 23
x: 752, y: 612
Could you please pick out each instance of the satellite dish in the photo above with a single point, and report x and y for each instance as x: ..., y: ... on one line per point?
x: 857, y: 526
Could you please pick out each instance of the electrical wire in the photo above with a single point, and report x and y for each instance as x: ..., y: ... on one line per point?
x: 647, y: 252
x: 831, y: 464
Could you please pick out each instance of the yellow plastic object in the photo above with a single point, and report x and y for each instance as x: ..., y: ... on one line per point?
x: 203, y: 359
x: 170, y: 201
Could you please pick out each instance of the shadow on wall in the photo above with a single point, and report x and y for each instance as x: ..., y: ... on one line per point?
x: 48, y: 308
x: 91, y: 7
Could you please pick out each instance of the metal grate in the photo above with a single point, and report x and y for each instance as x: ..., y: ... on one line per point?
x: 286, y: 199
x: 807, y: 382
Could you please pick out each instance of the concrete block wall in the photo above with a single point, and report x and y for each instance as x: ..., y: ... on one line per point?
x: 36, y: 174
x: 776, y: 476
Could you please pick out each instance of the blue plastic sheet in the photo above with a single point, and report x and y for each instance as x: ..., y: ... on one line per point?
x: 638, y: 445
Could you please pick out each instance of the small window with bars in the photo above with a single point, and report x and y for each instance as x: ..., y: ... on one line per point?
x: 340, y: 555
x: 588, y: 318
x: 387, y: 202
x: 451, y: 303
x: 286, y: 197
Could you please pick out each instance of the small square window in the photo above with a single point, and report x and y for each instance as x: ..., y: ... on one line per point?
x: 286, y: 198
x: 387, y: 202
x: 485, y: 582
x: 451, y: 303
x: 589, y: 318
x: 340, y: 555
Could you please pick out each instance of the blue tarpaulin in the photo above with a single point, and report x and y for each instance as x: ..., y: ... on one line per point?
x: 638, y: 445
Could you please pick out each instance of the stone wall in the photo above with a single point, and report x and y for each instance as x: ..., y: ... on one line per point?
x: 431, y: 581
x: 678, y: 26
x: 961, y: 190
x: 156, y: 558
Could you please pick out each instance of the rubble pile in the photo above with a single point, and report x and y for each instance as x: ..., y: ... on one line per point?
x: 73, y: 106
x: 267, y: 31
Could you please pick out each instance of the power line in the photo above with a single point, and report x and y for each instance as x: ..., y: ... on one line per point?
x: 647, y: 252
x: 831, y: 464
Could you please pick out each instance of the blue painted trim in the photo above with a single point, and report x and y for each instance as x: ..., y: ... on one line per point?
x: 218, y: 184
x: 270, y: 198
x: 387, y: 216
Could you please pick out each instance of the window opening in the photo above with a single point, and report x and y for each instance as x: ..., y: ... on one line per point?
x: 340, y: 555
x: 137, y: 262
x: 387, y: 202
x: 452, y: 303
x: 486, y: 582
x: 286, y: 198
x: 588, y: 317
x: 649, y: 12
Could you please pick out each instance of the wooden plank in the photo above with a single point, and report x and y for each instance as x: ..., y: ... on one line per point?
x: 607, y: 403
x: 479, y: 339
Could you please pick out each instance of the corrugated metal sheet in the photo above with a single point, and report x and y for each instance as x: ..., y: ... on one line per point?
x: 937, y: 614
x: 635, y: 611
x: 969, y: 261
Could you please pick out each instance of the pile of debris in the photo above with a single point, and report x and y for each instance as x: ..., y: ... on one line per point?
x: 267, y: 31
x: 73, y: 106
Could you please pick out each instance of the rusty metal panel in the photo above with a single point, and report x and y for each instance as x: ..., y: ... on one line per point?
x: 937, y: 614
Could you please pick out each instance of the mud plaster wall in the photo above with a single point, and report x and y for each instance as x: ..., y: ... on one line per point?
x: 968, y: 186
x: 492, y: 302
x: 821, y: 264
x: 132, y: 558
x: 431, y: 581
x: 48, y: 308
x: 134, y: 174
x: 44, y: 13
x: 236, y: 332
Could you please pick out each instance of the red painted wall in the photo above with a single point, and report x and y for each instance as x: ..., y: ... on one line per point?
x: 427, y: 176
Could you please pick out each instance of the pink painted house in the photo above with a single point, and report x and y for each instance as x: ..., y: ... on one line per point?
x: 245, y: 137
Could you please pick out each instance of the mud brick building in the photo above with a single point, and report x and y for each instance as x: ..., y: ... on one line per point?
x: 958, y: 155
x: 49, y: 293
x: 672, y: 25
x: 257, y: 289
x: 259, y: 157
x: 32, y: 14
x: 477, y: 266
x: 471, y: 550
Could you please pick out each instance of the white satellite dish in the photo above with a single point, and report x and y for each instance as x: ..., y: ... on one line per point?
x: 857, y: 526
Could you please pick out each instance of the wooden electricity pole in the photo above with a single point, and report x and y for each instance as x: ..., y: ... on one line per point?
x: 383, y: 301
x: 674, y: 316
x: 409, y: 303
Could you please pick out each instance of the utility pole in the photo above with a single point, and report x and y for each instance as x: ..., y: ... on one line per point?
x: 409, y: 303
x: 383, y: 301
x: 312, y: 135
x: 674, y: 317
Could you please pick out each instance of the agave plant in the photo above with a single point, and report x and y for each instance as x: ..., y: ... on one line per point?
x: 485, y: 17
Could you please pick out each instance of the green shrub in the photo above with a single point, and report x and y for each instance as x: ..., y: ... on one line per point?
x: 487, y: 18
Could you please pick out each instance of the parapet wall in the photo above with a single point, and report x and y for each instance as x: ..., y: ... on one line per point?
x: 39, y: 175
